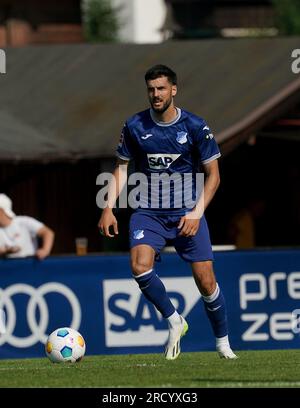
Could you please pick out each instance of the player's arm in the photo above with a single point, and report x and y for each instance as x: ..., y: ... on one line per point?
x: 190, y: 223
x: 211, y: 184
x: 115, y: 187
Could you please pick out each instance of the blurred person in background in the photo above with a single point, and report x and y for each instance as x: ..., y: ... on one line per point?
x: 242, y: 229
x: 20, y: 235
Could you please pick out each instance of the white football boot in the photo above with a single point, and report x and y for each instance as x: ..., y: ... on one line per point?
x: 227, y: 353
x: 224, y: 349
x: 172, y: 350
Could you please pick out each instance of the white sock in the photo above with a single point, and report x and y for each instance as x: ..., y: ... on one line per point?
x: 174, y: 319
x: 222, y: 342
x: 213, y: 296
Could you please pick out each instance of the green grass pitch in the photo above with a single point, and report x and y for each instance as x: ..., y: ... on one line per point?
x: 276, y: 368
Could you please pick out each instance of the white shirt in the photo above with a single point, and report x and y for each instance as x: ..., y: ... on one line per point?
x: 21, y: 232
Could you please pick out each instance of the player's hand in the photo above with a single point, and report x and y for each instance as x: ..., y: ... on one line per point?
x: 189, y: 225
x: 107, y: 220
x: 41, y: 254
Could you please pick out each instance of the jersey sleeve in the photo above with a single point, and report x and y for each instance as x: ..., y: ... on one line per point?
x: 125, y: 150
x: 32, y: 225
x: 206, y: 145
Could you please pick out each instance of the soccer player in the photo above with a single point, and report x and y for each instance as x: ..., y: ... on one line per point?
x: 167, y: 139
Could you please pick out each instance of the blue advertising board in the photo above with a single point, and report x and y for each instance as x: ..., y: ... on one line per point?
x: 97, y: 296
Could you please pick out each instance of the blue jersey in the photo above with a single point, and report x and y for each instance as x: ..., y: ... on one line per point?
x: 175, y: 148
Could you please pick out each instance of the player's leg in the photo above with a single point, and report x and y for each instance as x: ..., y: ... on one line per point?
x: 142, y: 264
x: 147, y: 237
x: 214, y: 304
x: 197, y: 251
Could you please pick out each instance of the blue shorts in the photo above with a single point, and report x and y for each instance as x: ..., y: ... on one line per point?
x: 160, y: 230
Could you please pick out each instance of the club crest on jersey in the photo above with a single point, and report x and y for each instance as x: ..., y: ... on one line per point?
x: 161, y: 161
x: 181, y: 137
x: 138, y: 234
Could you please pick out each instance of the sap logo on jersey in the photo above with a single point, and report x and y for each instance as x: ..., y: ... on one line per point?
x: 161, y: 161
x: 130, y: 320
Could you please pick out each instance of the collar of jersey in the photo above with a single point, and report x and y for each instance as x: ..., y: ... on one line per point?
x: 166, y: 123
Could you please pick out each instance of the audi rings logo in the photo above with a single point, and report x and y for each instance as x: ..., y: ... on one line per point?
x: 37, y: 300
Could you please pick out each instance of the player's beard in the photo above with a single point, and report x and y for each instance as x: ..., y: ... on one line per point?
x: 164, y: 107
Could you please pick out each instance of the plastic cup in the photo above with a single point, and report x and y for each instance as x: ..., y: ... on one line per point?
x: 81, y: 246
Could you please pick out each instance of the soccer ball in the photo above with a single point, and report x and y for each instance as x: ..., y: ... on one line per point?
x: 65, y: 345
